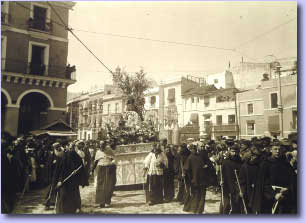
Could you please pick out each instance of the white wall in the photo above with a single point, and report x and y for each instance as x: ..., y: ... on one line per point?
x: 220, y: 77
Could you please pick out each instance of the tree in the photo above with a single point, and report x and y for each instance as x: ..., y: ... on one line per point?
x: 133, y: 87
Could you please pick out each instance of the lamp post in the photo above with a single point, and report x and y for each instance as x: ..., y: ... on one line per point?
x: 279, y: 103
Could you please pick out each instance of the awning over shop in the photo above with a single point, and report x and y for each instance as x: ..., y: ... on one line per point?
x: 58, y: 128
x: 273, y: 123
x: 194, y: 117
x: 53, y: 133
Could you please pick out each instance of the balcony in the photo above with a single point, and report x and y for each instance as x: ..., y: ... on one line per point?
x: 22, y: 67
x: 41, y: 25
x: 225, y: 128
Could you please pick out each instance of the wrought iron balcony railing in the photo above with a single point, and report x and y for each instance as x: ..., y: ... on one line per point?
x: 225, y: 128
x: 40, y: 24
x: 22, y: 67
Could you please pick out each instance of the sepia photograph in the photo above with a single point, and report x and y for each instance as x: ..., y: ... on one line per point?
x: 149, y: 108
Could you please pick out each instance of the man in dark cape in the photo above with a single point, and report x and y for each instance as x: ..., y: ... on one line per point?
x: 51, y: 166
x: 231, y: 199
x: 169, y: 176
x: 68, y: 199
x: 277, y: 184
x: 209, y: 170
x: 183, y: 153
x: 10, y: 176
x: 194, y: 169
x: 248, y: 176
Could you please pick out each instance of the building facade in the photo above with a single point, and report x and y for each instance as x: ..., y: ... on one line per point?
x: 248, y: 75
x: 251, y: 113
x: 35, y: 75
x: 105, y: 107
x: 264, y: 110
x: 213, y: 110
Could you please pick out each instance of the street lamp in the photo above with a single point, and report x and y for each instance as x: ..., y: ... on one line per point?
x: 277, y: 67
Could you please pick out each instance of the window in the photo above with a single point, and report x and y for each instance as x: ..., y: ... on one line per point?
x: 250, y: 109
x: 108, y: 108
x: 192, y: 100
x: 231, y: 119
x: 219, y: 119
x: 109, y: 92
x: 294, y: 120
x: 250, y: 128
x: 153, y: 101
x: 273, y: 100
x: 206, y: 101
x: 40, y: 17
x: 38, y: 58
x: 116, y: 107
x: 198, y: 99
x: 216, y: 81
x: 171, y: 95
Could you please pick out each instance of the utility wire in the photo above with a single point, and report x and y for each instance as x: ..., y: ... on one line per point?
x: 155, y: 40
x: 265, y: 33
x: 70, y: 30
x: 139, y: 38
x: 165, y: 41
x: 131, y: 37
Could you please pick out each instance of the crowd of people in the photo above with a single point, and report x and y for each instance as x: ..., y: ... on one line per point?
x: 257, y: 176
x: 30, y: 163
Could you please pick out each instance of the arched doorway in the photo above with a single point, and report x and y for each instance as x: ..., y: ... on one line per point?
x: 4, y: 102
x: 33, y: 112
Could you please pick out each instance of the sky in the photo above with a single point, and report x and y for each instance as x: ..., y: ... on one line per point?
x: 191, y: 38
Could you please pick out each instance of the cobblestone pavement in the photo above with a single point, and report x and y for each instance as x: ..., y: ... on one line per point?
x: 123, y: 202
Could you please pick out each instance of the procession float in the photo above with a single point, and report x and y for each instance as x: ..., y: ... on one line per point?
x: 134, y: 140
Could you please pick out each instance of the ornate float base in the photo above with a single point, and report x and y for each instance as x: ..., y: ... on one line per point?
x: 130, y: 163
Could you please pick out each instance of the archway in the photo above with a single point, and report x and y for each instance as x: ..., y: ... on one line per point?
x: 33, y: 112
x: 4, y: 102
